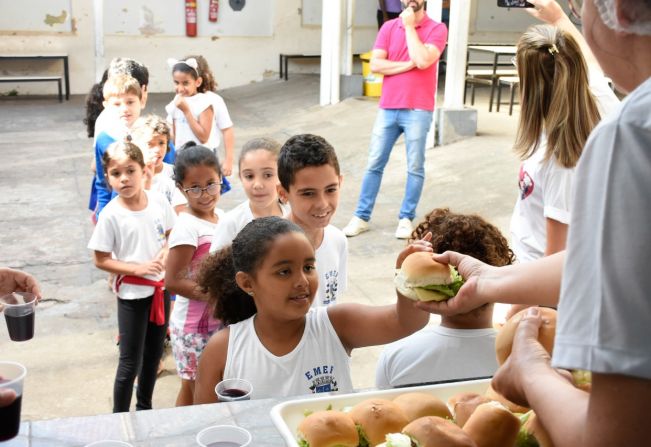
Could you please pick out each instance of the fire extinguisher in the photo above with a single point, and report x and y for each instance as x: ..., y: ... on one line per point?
x: 191, y: 18
x: 213, y: 11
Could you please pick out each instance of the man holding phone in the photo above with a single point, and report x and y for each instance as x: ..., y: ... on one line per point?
x: 405, y: 52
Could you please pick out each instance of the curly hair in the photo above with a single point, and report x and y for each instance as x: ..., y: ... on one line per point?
x: 467, y: 234
x: 217, y: 273
x: 94, y: 104
x: 302, y: 151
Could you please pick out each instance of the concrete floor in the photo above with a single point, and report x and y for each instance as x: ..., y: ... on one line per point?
x: 44, y: 184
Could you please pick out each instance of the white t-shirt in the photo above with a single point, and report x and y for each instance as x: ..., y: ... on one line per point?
x: 437, y: 353
x: 108, y: 121
x: 604, y: 312
x: 193, y: 316
x: 233, y: 222
x: 164, y: 185
x: 331, y: 263
x: 318, y: 364
x: 222, y: 117
x: 182, y: 131
x: 546, y: 188
x: 134, y: 236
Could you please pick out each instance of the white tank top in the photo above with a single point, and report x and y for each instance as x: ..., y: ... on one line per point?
x: 318, y: 364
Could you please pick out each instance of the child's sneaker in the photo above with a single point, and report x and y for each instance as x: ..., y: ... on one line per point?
x: 355, y: 227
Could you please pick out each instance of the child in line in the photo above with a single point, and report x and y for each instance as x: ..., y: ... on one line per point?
x: 130, y: 240
x: 263, y: 287
x: 310, y: 181
x: 123, y: 99
x: 258, y: 171
x: 463, y: 346
x: 152, y: 134
x: 198, y: 175
x: 193, y: 111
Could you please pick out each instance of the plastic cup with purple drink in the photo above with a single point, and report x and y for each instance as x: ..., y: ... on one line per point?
x: 19, y: 309
x: 224, y: 436
x: 12, y: 375
x: 229, y: 390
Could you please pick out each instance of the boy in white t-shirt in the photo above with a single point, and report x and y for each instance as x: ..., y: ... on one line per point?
x: 463, y: 346
x: 310, y: 180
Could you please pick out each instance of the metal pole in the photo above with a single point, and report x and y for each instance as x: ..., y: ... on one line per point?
x: 98, y: 10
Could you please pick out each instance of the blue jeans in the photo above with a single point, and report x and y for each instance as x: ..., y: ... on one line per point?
x: 389, y: 124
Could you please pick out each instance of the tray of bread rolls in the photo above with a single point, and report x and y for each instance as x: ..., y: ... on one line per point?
x: 302, y: 420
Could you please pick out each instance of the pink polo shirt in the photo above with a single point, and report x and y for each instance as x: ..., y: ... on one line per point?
x: 413, y: 89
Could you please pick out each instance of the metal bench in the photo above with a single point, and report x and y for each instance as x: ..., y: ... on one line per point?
x: 512, y: 82
x: 283, y: 62
x: 16, y: 79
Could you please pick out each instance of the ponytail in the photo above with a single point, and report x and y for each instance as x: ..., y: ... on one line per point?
x: 217, y: 279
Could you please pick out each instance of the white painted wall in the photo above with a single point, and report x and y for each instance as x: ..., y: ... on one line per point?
x: 234, y: 60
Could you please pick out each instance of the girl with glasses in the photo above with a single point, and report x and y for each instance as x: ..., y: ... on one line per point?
x: 199, y: 176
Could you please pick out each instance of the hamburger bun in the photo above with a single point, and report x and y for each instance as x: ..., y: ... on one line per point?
x: 417, y: 405
x: 463, y: 405
x: 328, y: 429
x: 492, y: 425
x: 493, y: 395
x: 533, y: 426
x: 433, y: 431
x: 504, y: 339
x: 419, y: 270
x: 378, y: 417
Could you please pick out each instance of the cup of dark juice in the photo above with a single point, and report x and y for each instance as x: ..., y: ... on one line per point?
x: 224, y: 436
x: 229, y: 390
x: 12, y: 375
x: 19, y: 309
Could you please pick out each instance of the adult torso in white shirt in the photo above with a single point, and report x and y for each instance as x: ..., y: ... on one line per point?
x: 319, y: 363
x: 134, y: 236
x: 437, y: 353
x: 331, y: 266
x: 605, y: 305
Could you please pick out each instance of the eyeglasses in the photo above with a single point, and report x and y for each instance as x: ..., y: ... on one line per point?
x: 195, y: 192
x: 575, y: 10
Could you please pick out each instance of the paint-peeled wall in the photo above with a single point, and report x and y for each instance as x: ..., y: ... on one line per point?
x: 235, y: 60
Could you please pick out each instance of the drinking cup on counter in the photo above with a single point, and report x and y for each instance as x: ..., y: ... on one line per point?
x: 109, y: 443
x: 12, y: 375
x: 19, y: 309
x: 230, y: 390
x: 224, y: 436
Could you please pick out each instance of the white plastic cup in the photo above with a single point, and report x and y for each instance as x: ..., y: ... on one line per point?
x: 230, y: 390
x: 109, y: 443
x: 19, y: 309
x: 224, y: 436
x: 12, y: 375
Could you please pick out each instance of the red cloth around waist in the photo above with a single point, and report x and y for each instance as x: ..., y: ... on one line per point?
x: 157, y: 312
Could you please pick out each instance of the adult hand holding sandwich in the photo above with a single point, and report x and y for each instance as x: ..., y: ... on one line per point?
x: 532, y: 283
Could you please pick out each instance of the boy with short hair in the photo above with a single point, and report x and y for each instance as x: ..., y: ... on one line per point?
x: 462, y: 346
x: 310, y: 180
x: 123, y: 100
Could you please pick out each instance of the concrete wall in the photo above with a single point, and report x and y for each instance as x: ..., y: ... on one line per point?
x: 234, y: 60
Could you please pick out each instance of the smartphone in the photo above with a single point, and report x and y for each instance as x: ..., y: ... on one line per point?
x: 514, y: 4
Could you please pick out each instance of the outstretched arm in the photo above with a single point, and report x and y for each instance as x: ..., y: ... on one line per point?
x: 358, y: 325
x: 534, y: 283
x: 16, y: 281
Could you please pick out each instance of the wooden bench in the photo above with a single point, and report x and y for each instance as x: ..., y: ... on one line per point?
x: 16, y: 79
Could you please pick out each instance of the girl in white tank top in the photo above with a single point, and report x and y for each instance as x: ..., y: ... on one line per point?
x: 262, y: 288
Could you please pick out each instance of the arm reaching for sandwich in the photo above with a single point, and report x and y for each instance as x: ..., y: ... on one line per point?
x: 534, y: 283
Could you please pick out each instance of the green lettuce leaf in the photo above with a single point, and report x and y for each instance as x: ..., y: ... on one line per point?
x: 448, y: 289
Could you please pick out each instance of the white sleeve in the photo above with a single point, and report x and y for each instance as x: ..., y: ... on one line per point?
x: 178, y: 198
x: 170, y: 215
x: 606, y: 99
x: 222, y: 117
x: 381, y: 377
x: 184, y: 233
x: 343, y: 267
x: 557, y: 191
x: 170, y: 109
x: 103, y: 238
x: 225, y: 232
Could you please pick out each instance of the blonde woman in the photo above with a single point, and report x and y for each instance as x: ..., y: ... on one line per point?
x: 563, y: 96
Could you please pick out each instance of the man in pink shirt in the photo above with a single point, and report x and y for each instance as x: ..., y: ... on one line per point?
x: 405, y: 52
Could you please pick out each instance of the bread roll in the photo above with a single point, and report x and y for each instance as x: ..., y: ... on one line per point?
x: 495, y: 396
x: 416, y: 405
x: 464, y: 404
x: 493, y: 425
x: 377, y: 418
x: 328, y: 429
x: 433, y: 431
x: 504, y: 339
